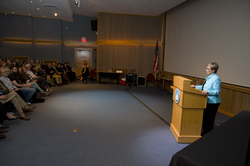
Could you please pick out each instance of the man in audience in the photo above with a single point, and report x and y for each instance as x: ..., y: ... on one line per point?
x: 7, y: 95
x: 4, y: 78
x: 6, y: 58
x: 17, y: 64
x: 5, y: 68
x: 31, y: 62
x: 50, y: 71
x: 27, y: 89
x: 8, y: 63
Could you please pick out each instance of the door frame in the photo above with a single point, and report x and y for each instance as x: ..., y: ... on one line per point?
x: 84, y: 49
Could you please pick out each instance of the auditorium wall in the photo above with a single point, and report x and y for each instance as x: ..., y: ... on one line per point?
x: 128, y: 42
x: 44, y: 39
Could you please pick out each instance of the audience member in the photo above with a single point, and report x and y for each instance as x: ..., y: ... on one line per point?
x: 24, y: 63
x: 16, y: 62
x: 85, y: 73
x: 8, y: 95
x: 6, y: 58
x: 8, y: 64
x: 7, y: 70
x: 31, y: 63
x: 1, y: 60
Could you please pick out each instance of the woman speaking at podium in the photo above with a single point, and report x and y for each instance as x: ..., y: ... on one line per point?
x: 211, y: 88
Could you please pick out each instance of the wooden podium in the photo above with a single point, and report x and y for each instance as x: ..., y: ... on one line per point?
x: 187, y: 114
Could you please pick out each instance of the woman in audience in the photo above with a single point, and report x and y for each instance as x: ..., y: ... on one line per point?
x: 25, y: 78
x: 85, y: 73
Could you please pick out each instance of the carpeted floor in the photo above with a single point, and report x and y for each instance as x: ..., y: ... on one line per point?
x: 114, y: 128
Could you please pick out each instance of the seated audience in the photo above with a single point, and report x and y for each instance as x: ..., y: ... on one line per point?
x: 7, y: 95
x: 25, y: 78
x: 63, y: 73
x: 72, y: 75
x: 8, y: 83
x: 38, y: 79
x: 27, y: 89
x: 50, y: 71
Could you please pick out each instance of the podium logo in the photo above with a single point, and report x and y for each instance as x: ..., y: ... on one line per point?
x: 177, y: 96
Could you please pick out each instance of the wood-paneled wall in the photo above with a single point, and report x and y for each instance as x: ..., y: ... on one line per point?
x: 128, y: 42
x: 234, y: 99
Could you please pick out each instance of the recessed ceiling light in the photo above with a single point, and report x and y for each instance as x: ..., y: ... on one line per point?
x: 38, y: 8
x: 29, y: 14
x: 55, y: 14
x: 31, y: 1
x: 88, y: 5
x: 12, y: 12
x: 44, y: 16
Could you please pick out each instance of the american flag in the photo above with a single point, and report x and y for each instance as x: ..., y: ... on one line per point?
x: 155, y: 65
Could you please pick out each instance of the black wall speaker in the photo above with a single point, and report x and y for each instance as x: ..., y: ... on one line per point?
x: 94, y: 25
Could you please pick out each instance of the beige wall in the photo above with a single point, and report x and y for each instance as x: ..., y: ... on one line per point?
x: 128, y: 42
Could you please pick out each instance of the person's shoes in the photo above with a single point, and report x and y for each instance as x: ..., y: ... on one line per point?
x: 28, y: 103
x: 24, y: 118
x: 3, y: 130
x: 28, y: 110
x: 44, y: 93
x: 32, y: 107
x: 4, y: 127
x: 2, y: 136
x: 13, y: 118
x: 48, y: 92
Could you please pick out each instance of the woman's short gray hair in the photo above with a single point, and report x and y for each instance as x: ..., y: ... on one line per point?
x: 214, y: 66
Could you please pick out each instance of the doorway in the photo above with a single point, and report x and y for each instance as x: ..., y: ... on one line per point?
x: 82, y: 54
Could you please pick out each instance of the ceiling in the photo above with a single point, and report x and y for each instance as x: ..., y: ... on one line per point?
x: 66, y: 8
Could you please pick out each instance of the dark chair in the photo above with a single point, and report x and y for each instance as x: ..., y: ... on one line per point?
x: 92, y: 74
x: 150, y: 78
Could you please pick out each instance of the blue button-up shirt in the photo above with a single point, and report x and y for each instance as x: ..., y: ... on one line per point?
x: 8, y: 83
x: 212, y: 85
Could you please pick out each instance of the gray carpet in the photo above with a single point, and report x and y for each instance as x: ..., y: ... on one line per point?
x: 114, y: 129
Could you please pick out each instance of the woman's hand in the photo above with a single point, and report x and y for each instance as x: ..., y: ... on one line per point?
x: 205, y: 93
x: 192, y: 86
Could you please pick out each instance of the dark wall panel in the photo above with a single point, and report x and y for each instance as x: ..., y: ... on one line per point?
x: 15, y: 49
x: 81, y: 27
x: 46, y: 29
x: 16, y: 27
